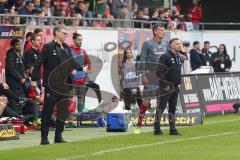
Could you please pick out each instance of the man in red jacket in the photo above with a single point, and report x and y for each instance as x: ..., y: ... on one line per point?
x: 195, y: 14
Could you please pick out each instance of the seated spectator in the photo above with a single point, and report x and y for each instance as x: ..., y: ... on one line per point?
x: 46, y: 8
x: 36, y: 21
x: 196, y: 58
x: 56, y: 8
x: 71, y: 7
x: 5, y: 94
x: 167, y: 17
x: 155, y: 15
x: 77, y: 22
x: 82, y: 9
x: 146, y: 13
x: 116, y: 6
x: 221, y: 60
x: 177, y: 18
x: 16, y: 79
x: 109, y: 22
x: 162, y: 18
x: 2, y: 6
x: 65, y: 9
x: 151, y: 4
x: 99, y: 23
x: 140, y: 17
x: 10, y: 11
x: 19, y: 5
x: 27, y: 10
x: 37, y: 4
x: 131, y: 12
x: 135, y: 10
x: 34, y: 93
x: 119, y: 10
x: 102, y: 7
x: 15, y: 73
x: 90, y: 14
x: 6, y: 21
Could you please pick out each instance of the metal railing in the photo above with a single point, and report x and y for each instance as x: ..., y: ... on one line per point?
x: 23, y: 20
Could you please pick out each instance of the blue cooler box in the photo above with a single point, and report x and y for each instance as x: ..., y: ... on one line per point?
x: 117, y: 122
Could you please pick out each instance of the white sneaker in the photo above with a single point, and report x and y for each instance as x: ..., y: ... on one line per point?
x: 100, y: 103
x: 137, y: 130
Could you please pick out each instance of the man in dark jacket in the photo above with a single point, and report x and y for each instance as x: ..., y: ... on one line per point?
x: 58, y: 65
x: 8, y: 94
x: 15, y: 76
x: 196, y: 58
x: 32, y: 55
x: 206, y: 54
x: 169, y: 82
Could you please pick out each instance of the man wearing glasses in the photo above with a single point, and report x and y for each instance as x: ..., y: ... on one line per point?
x: 58, y: 66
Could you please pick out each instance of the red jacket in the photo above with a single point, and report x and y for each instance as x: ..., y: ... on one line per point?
x: 196, y: 12
x: 27, y: 46
x: 31, y: 92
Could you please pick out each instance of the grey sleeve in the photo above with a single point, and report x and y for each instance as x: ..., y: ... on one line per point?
x: 143, y: 58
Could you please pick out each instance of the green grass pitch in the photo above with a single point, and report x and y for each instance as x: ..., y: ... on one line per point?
x: 217, y: 139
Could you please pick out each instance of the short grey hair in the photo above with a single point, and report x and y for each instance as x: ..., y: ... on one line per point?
x: 57, y: 28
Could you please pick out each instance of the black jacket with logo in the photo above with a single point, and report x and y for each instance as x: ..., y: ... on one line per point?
x: 207, y: 57
x: 172, y: 72
x: 14, y: 70
x: 29, y: 58
x: 58, y: 65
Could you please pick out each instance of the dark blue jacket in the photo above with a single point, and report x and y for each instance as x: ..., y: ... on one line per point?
x: 196, y: 59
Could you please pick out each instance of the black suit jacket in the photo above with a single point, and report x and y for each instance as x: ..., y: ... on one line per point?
x: 196, y: 59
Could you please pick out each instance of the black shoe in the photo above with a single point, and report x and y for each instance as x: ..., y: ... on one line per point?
x: 158, y: 132
x: 59, y: 140
x: 44, y: 141
x: 175, y: 133
x: 236, y: 108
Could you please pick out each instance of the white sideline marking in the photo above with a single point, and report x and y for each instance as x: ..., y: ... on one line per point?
x: 146, y: 145
x: 222, y: 121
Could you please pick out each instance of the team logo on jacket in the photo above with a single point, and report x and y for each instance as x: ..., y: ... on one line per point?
x: 54, y: 53
x: 18, y: 61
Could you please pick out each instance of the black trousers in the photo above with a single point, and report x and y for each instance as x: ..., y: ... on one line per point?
x: 51, y: 100
x: 31, y: 108
x: 171, y: 99
x: 13, y: 101
x: 130, y: 98
x: 9, y: 112
x: 96, y: 89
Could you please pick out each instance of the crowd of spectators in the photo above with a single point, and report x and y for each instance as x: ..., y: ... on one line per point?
x: 105, y: 11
